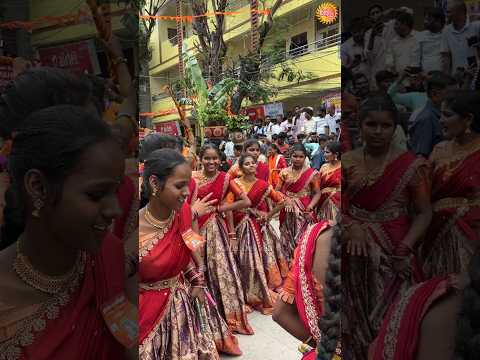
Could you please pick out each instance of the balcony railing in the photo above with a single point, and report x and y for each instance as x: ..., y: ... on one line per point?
x: 315, y: 46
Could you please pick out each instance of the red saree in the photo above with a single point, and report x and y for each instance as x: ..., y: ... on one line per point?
x: 169, y: 326
x: 70, y: 325
x: 255, y: 257
x: 222, y: 275
x: 193, y: 191
x: 450, y: 241
x: 276, y: 164
x: 400, y: 333
x: 126, y: 223
x: 299, y: 188
x: 301, y: 286
x: 330, y: 188
x: 381, y: 208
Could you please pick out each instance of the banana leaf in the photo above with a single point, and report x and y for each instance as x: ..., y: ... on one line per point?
x: 196, y: 76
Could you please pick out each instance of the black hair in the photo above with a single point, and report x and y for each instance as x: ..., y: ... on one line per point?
x: 463, y: 103
x: 243, y: 158
x: 156, y: 141
x: 439, y: 81
x: 322, y: 137
x: 378, y: 103
x: 161, y: 164
x: 238, y: 147
x: 329, y: 323
x: 208, y: 146
x: 274, y: 146
x: 378, y: 6
x: 334, y: 147
x: 384, y: 75
x: 299, y: 147
x: 52, y: 141
x: 467, y: 342
x: 437, y: 14
x: 39, y: 88
x: 358, y: 76
x: 274, y: 137
x: 249, y: 143
x: 98, y: 92
x: 405, y: 18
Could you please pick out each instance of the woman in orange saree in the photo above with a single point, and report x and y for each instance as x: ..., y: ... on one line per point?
x: 309, y: 304
x: 330, y: 183
x: 222, y: 274
x: 171, y: 327
x: 276, y: 163
x: 455, y: 189
x: 300, y: 184
x: 380, y: 184
x: 66, y: 269
x: 256, y: 259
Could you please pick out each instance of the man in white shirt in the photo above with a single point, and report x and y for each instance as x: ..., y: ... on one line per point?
x: 229, y: 147
x: 309, y: 124
x: 379, y: 37
x: 459, y: 38
x: 321, y: 122
x: 400, y: 52
x: 352, y: 50
x: 429, y: 41
x: 277, y: 127
x: 332, y: 119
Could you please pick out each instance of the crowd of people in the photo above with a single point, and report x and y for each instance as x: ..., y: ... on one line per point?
x: 263, y: 222
x: 410, y: 204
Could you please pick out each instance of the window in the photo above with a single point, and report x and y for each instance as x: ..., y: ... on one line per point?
x: 298, y: 44
x: 172, y: 35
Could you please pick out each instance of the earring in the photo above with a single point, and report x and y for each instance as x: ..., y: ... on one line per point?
x: 38, y: 205
x: 468, y: 130
x: 154, y: 192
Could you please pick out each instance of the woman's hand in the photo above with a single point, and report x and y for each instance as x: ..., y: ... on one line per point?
x: 199, y: 293
x: 402, y: 266
x: 289, y: 207
x: 204, y: 206
x: 262, y: 216
x: 357, y: 244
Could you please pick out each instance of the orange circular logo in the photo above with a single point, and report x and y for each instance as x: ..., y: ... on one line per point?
x: 327, y: 13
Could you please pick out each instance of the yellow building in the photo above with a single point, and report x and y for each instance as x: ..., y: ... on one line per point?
x: 316, y: 52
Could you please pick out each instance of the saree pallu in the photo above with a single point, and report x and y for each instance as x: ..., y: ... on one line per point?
x: 371, y: 283
x: 223, y: 278
x: 250, y: 253
x: 451, y: 238
x: 399, y: 335
x: 169, y: 327
x: 301, y: 286
x: 70, y: 325
x: 330, y: 188
x: 292, y: 224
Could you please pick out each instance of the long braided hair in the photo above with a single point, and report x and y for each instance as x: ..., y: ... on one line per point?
x: 467, y: 343
x: 329, y: 322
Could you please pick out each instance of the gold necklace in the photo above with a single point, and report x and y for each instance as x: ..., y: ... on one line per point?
x: 45, y: 283
x: 376, y: 172
x: 162, y: 226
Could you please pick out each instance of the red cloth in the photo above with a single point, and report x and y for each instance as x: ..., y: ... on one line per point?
x: 166, y: 260
x: 80, y: 330
x: 263, y: 171
x: 408, y: 319
x: 334, y: 180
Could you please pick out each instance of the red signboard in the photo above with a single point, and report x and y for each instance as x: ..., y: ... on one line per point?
x: 168, y: 128
x: 6, y: 75
x: 255, y: 112
x: 78, y: 57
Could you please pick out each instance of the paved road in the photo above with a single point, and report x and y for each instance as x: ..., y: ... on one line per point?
x: 270, y: 341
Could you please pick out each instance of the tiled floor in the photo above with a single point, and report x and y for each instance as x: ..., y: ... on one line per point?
x: 270, y: 341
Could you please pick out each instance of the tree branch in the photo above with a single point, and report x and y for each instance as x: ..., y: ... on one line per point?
x: 267, y: 26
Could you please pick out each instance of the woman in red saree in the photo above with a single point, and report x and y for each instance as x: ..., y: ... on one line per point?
x: 455, y: 188
x: 171, y: 327
x: 380, y: 184
x: 222, y: 273
x: 309, y: 304
x: 65, y: 270
x: 254, y: 247
x: 276, y: 163
x: 330, y: 183
x: 252, y: 147
x: 436, y: 319
x: 300, y: 184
